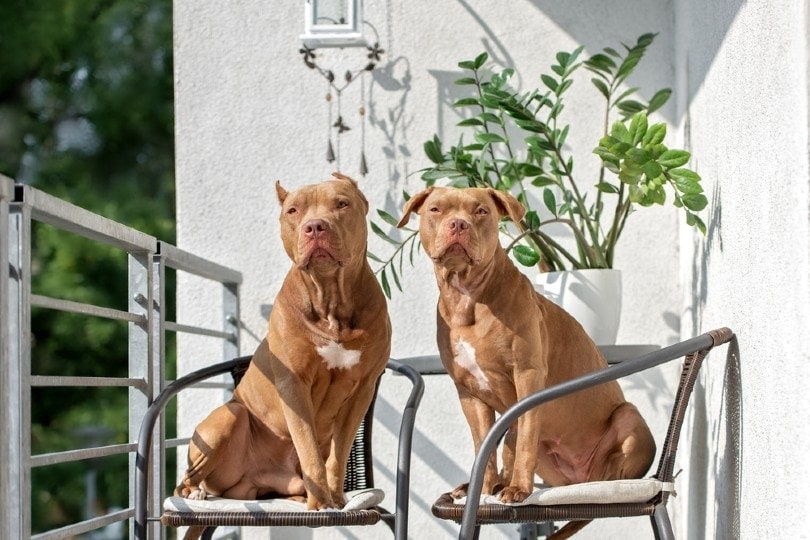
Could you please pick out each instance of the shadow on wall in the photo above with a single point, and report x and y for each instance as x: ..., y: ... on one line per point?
x: 708, y: 20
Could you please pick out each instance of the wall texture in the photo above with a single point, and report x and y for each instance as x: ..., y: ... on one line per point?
x: 742, y: 85
x: 248, y: 113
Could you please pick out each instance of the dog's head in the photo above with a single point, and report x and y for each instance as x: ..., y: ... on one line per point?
x: 459, y: 227
x: 323, y: 226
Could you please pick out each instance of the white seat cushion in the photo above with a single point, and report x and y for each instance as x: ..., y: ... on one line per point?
x: 355, y: 500
x: 602, y: 492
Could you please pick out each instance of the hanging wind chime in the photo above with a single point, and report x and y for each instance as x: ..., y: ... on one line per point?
x: 336, y: 124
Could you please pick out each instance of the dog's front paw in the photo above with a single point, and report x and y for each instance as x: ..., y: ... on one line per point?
x: 196, y: 494
x: 316, y: 504
x: 339, y: 498
x: 512, y: 494
x: 460, y: 491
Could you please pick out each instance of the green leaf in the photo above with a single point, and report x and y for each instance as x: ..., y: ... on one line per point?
x: 619, y: 131
x: 550, y: 201
x: 385, y: 286
x: 480, y: 59
x: 542, y: 181
x: 630, y: 173
x: 525, y: 255
x: 373, y: 257
x: 549, y: 81
x: 470, y: 122
x: 606, y: 155
x: 638, y: 127
x: 696, y: 222
x: 602, y: 87
x: 695, y: 201
x: 465, y: 81
x: 433, y: 150
x: 639, y: 155
x: 532, y: 220
x: 630, y: 106
x: 529, y: 169
x: 388, y: 218
x: 686, y: 184
x: 655, y: 134
x: 652, y: 169
x: 489, y: 138
x: 606, y: 187
x: 659, y: 99
x: 379, y: 232
x: 674, y: 158
x: 466, y: 102
x: 684, y: 175
x: 658, y: 195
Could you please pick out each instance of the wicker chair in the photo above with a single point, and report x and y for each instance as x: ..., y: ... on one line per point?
x: 473, y: 513
x: 359, y: 474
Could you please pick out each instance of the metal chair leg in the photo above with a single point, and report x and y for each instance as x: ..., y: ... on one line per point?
x: 662, y: 528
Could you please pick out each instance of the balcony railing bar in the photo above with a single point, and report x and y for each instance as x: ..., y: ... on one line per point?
x: 69, y: 217
x: 55, y: 458
x: 198, y: 330
x: 60, y: 381
x: 58, y: 304
x: 88, y: 525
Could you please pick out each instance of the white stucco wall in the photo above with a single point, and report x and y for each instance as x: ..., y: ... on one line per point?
x: 742, y: 72
x: 248, y: 112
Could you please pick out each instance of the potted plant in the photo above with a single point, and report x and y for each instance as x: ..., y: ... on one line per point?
x: 516, y: 141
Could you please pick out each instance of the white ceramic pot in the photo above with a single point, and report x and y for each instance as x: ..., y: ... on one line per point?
x: 593, y: 297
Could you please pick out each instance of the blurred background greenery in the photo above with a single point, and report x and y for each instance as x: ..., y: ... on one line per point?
x: 86, y: 114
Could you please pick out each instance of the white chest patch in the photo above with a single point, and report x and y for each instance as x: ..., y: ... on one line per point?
x: 465, y: 358
x: 336, y: 357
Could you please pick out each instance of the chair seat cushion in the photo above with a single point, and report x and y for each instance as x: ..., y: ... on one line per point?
x: 601, y: 492
x: 360, y: 499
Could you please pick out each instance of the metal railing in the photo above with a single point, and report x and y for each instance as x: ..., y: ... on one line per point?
x: 148, y: 261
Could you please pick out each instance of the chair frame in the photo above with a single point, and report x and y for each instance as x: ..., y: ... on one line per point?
x: 360, y: 457
x: 473, y: 514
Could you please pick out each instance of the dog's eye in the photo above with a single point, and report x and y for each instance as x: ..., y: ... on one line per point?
x: 342, y: 204
x: 434, y: 209
x: 291, y: 210
x: 481, y: 211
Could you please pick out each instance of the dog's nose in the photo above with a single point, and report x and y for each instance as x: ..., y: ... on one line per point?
x: 314, y: 227
x: 457, y: 225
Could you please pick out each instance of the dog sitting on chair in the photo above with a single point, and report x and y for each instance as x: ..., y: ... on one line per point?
x: 289, y: 428
x: 501, y: 341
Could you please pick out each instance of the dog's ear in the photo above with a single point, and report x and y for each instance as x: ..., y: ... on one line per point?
x: 507, y: 205
x: 413, y: 205
x: 281, y: 192
x: 341, y: 176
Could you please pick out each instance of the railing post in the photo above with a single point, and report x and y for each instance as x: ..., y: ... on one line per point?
x: 15, y: 372
x: 157, y: 472
x: 6, y: 194
x: 141, y: 351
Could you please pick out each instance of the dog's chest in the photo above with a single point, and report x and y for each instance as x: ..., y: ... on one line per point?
x: 335, y: 356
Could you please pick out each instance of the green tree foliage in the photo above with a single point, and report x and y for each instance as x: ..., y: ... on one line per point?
x: 86, y: 114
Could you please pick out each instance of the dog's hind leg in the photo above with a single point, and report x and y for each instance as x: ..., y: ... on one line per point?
x: 226, y: 428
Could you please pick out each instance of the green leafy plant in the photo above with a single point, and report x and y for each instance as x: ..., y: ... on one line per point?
x: 518, y: 144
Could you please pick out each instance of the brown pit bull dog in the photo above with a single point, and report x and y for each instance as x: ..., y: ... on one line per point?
x: 501, y: 341
x: 289, y: 428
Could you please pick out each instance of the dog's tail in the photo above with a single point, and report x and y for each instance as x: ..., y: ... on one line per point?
x: 568, y: 530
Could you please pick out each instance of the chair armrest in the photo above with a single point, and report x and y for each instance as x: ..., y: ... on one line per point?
x: 153, y: 412
x: 405, y: 443
x: 501, y: 426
